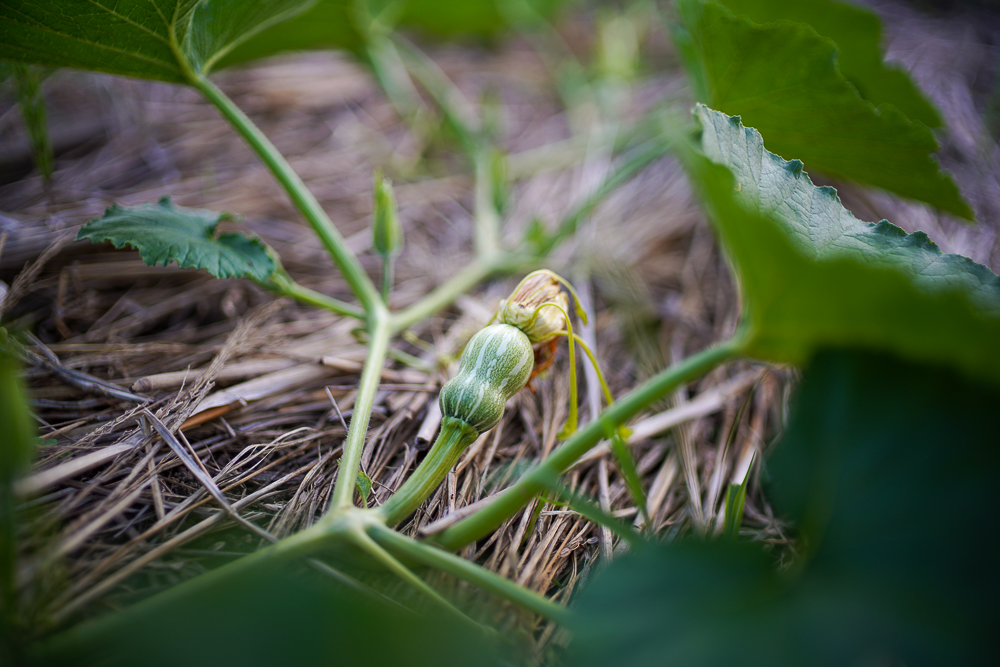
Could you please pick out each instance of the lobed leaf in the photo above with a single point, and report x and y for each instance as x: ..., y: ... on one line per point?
x: 783, y: 79
x: 899, y: 538
x: 163, y: 233
x: 165, y: 40
x: 813, y: 276
x: 857, y: 31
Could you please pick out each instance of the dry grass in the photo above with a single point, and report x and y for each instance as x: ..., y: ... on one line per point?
x: 254, y: 386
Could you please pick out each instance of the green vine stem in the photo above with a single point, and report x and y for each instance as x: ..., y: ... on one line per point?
x: 537, y: 479
x: 455, y: 565
x: 454, y: 437
x: 378, y: 348
x: 281, y: 283
x: 304, y: 200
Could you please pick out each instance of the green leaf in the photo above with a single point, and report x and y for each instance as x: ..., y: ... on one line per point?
x: 782, y: 78
x: 889, y: 468
x: 163, y: 233
x: 332, y: 24
x: 18, y: 430
x: 364, y: 484
x: 736, y: 496
x: 857, y: 31
x: 630, y: 473
x: 16, y: 445
x: 812, y: 275
x: 266, y: 616
x: 327, y: 24
x: 166, y: 40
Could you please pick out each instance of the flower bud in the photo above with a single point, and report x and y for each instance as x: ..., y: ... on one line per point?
x: 522, y: 309
x: 387, y: 233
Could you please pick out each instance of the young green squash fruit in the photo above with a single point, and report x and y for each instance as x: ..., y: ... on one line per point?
x: 495, y: 365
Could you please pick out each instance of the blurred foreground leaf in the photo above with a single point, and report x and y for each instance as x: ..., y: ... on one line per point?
x: 147, y: 39
x: 164, y: 233
x: 857, y: 32
x: 17, y: 434
x: 814, y: 276
x: 889, y: 468
x: 783, y: 80
x: 263, y: 617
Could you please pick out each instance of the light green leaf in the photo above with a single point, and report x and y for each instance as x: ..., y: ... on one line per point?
x: 364, y: 484
x: 167, y: 40
x: 163, y: 233
x: 857, y: 32
x: 782, y: 78
x: 812, y: 275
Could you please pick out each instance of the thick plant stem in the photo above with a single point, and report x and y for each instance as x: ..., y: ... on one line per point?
x: 455, y: 436
x: 378, y: 347
x: 300, y: 195
x: 538, y: 478
x: 463, y: 569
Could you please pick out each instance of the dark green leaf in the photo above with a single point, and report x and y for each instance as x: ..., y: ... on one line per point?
x: 332, y: 24
x: 327, y: 24
x: 149, y: 39
x: 18, y: 432
x: 857, y: 31
x: 163, y: 233
x: 814, y: 276
x: 890, y: 469
x: 17, y: 435
x: 267, y: 616
x: 782, y: 78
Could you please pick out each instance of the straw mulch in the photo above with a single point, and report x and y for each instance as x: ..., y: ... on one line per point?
x: 255, y: 388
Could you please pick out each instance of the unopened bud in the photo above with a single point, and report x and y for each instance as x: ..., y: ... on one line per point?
x: 387, y: 233
x: 523, y: 309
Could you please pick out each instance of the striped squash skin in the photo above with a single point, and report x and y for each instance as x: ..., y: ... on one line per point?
x: 495, y: 365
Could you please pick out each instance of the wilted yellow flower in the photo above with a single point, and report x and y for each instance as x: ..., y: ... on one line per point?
x: 523, y: 309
